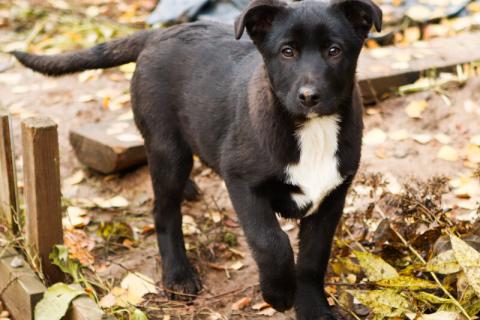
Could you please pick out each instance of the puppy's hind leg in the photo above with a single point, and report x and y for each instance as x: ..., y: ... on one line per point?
x: 170, y: 162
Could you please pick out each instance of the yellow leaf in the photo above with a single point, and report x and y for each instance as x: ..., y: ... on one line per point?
x: 415, y: 108
x: 406, y: 282
x: 444, y: 263
x: 448, y: 153
x: 384, y: 303
x: 469, y: 260
x: 375, y: 267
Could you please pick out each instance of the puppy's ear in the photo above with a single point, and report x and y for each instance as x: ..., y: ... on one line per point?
x: 362, y: 14
x: 258, y: 17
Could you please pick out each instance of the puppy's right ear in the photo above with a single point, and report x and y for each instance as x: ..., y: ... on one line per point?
x: 258, y: 17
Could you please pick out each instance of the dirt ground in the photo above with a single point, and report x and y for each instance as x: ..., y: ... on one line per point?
x: 399, y: 147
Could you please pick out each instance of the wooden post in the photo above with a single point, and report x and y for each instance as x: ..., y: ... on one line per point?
x: 42, y: 191
x: 8, y: 181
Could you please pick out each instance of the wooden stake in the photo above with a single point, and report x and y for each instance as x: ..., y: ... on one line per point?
x: 8, y: 181
x: 42, y: 191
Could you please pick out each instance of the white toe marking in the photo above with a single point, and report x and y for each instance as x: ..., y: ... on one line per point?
x: 317, y: 171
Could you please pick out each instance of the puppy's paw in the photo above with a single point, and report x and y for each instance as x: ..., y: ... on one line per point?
x: 182, y: 286
x: 280, y: 294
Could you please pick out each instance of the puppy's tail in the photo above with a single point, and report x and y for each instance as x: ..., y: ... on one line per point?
x: 105, y: 55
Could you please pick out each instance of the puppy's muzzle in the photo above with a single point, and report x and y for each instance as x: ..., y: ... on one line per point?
x: 308, y: 96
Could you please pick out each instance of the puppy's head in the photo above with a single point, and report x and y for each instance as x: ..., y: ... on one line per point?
x: 310, y: 49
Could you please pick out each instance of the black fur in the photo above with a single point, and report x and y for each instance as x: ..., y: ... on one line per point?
x: 238, y: 104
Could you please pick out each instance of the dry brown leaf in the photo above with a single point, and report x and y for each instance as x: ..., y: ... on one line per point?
x: 260, y: 306
x: 241, y: 304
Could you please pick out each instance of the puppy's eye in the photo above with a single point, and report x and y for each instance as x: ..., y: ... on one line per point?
x: 334, y: 51
x: 288, y: 52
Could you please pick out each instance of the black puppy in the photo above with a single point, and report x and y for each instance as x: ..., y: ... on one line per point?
x: 279, y: 118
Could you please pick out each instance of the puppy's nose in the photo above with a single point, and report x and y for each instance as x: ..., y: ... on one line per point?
x: 308, y: 96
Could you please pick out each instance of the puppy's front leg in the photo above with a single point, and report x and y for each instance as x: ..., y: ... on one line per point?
x: 270, y: 245
x: 316, y: 235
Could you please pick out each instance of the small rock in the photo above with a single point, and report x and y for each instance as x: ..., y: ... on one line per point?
x: 5, y: 314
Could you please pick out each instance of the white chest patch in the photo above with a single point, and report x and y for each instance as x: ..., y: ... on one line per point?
x: 317, y: 171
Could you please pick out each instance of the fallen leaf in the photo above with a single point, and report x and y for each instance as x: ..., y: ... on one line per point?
x: 475, y: 140
x: 237, y: 265
x: 444, y: 263
x: 189, y: 226
x: 137, y: 285
x: 406, y: 282
x: 76, y: 178
x: 75, y: 218
x: 375, y: 137
x: 422, y: 138
x: 473, y: 153
x: 416, y: 108
x: 56, y: 302
x: 448, y: 153
x: 384, y: 303
x: 115, y: 202
x: 375, y: 268
x: 260, y: 306
x: 80, y: 246
x: 443, y: 138
x: 399, y: 135
x: 439, y: 315
x: 469, y: 260
x: 268, y: 312
x: 241, y: 304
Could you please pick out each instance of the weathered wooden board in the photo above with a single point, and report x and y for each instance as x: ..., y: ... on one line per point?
x: 84, y: 308
x: 379, y: 71
x: 108, y: 147
x: 382, y: 69
x: 43, y: 211
x: 21, y: 289
x: 8, y: 180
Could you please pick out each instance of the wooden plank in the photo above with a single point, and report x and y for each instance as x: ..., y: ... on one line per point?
x: 84, y: 308
x: 20, y: 287
x: 42, y: 191
x: 383, y: 69
x: 8, y: 179
x: 109, y: 146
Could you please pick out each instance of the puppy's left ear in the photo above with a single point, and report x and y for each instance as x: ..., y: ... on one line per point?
x: 257, y: 18
x: 362, y: 14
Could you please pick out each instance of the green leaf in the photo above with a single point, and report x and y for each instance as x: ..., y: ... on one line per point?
x: 56, y: 302
x: 406, y: 282
x: 59, y: 257
x: 384, y: 303
x: 444, y: 263
x: 469, y: 260
x: 138, y: 314
x: 375, y: 267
